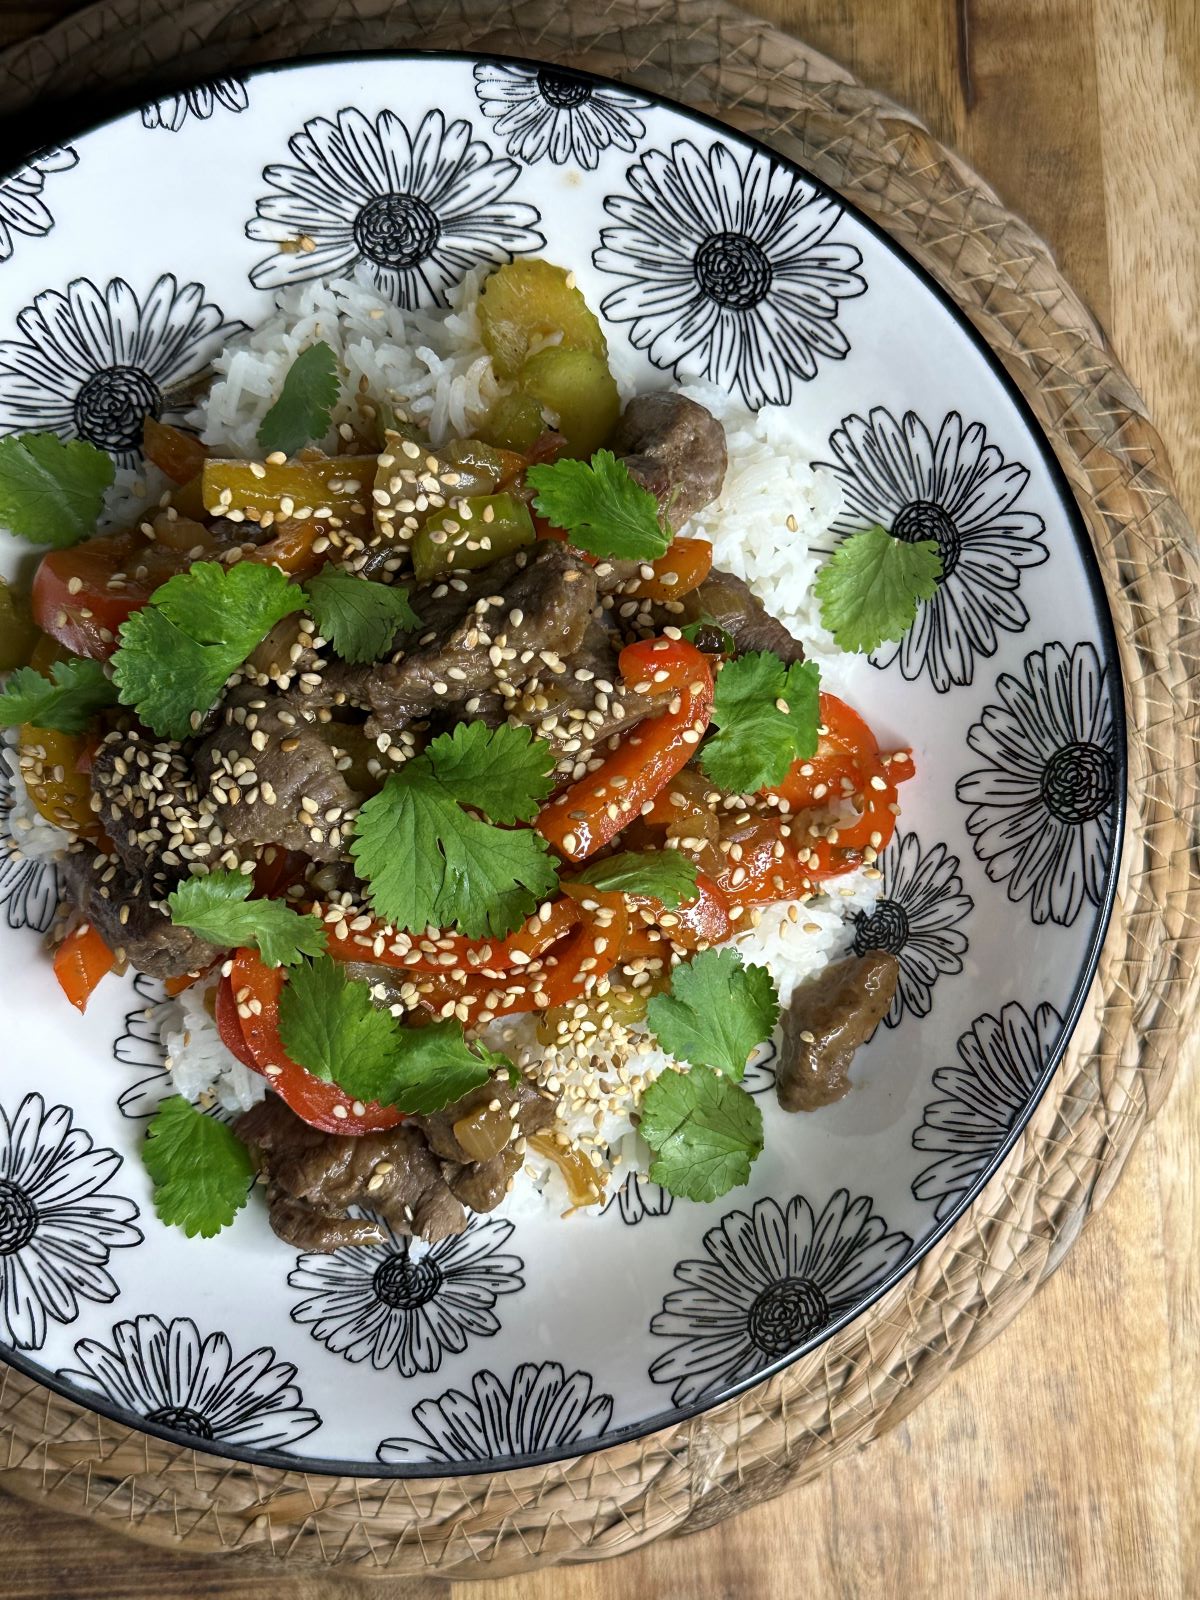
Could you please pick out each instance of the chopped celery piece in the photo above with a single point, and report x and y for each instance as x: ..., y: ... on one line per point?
x: 578, y: 388
x: 527, y: 302
x: 515, y: 422
x: 451, y: 541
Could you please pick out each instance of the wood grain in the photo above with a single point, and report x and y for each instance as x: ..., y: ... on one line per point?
x: 1064, y: 1461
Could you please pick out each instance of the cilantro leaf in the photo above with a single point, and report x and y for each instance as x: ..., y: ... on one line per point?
x: 663, y: 875
x: 429, y: 862
x: 601, y: 507
x: 177, y: 652
x: 200, y: 1171
x: 704, y: 1131
x: 434, y: 1066
x: 328, y: 1023
x: 66, y: 701
x: 358, y: 617
x: 218, y: 907
x: 870, y: 587
x: 502, y: 771
x: 766, y: 715
x: 51, y: 489
x: 306, y: 401
x: 717, y: 1012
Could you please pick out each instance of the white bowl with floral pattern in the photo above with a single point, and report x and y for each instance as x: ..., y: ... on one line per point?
x: 126, y: 257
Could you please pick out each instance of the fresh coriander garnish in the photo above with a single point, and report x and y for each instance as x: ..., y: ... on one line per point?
x: 52, y: 489
x: 662, y: 875
x: 178, y: 651
x: 870, y: 587
x: 360, y: 618
x: 200, y: 1171
x: 718, y: 1011
x: 504, y: 772
x: 428, y: 862
x: 766, y: 715
x: 66, y: 701
x: 328, y: 1023
x: 218, y: 907
x: 704, y: 1130
x: 306, y: 401
x: 600, y: 507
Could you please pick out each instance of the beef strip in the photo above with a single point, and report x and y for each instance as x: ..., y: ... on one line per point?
x: 147, y: 799
x: 828, y: 1018
x: 534, y: 1112
x: 128, y: 913
x: 481, y: 628
x: 481, y: 1184
x: 289, y: 792
x: 576, y: 710
x: 314, y: 1178
x: 674, y: 448
x: 733, y: 606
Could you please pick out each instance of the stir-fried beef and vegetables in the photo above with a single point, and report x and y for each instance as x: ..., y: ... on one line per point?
x: 443, y: 766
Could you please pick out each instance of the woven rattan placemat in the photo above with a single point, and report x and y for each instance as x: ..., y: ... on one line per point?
x: 1144, y: 1000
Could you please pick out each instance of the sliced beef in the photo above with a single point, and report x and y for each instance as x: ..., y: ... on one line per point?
x: 828, y: 1018
x: 128, y: 913
x: 314, y: 1179
x: 576, y: 709
x: 270, y: 776
x: 481, y: 1115
x: 147, y: 799
x: 736, y: 608
x: 482, y: 628
x: 475, y: 1138
x: 482, y: 1185
x: 676, y: 449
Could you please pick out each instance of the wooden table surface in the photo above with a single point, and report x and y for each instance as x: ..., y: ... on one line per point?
x: 1064, y: 1461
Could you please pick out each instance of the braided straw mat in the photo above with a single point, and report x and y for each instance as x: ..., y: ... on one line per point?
x: 1143, y: 1002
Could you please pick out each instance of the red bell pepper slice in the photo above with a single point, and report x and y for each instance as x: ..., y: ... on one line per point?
x: 80, y: 962
x: 255, y: 990
x: 590, y: 813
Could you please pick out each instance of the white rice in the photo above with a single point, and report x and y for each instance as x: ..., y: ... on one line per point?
x: 199, y: 1064
x: 132, y: 497
x: 428, y: 364
x: 770, y: 526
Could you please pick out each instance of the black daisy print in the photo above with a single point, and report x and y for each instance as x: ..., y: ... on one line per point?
x: 1043, y: 806
x: 730, y: 272
x: 22, y: 209
x: 637, y: 1197
x: 58, y: 1222
x: 1003, y: 1061
x: 959, y: 491
x: 772, y: 1278
x: 168, y: 1374
x: 173, y: 110
x: 140, y: 1048
x: 418, y: 210
x: 917, y: 918
x: 759, y: 1077
x: 545, y: 111
x: 540, y: 1408
x: 406, y: 1304
x: 94, y: 362
x: 28, y: 884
